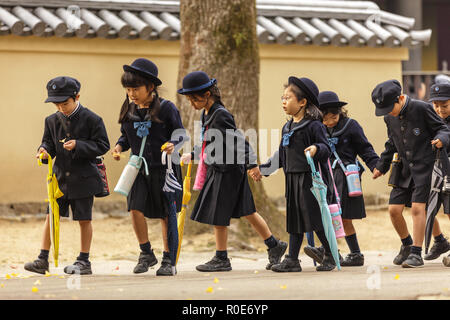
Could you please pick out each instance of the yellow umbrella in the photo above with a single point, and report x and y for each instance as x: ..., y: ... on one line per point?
x: 53, y: 193
x: 186, y: 199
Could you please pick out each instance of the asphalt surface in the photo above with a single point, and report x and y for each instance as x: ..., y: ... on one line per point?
x: 378, y: 279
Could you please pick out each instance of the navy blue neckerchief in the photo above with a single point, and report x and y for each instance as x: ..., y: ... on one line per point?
x: 287, y: 136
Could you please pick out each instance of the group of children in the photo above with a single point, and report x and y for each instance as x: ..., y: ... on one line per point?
x: 319, y: 125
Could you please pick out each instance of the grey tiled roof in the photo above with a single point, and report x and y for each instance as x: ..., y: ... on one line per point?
x: 303, y: 22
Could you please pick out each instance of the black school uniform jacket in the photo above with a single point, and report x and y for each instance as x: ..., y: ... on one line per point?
x: 292, y: 158
x: 352, y: 142
x: 226, y: 147
x: 159, y: 133
x: 410, y: 134
x: 76, y: 170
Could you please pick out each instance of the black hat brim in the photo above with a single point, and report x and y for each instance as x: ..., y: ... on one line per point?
x: 57, y: 99
x: 337, y: 104
x: 439, y: 99
x: 144, y: 74
x: 383, y: 111
x: 309, y: 95
x: 197, y: 89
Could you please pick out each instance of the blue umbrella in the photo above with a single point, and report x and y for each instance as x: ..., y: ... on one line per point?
x: 319, y: 190
x: 171, y: 187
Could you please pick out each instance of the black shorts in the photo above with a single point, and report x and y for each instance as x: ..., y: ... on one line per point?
x: 81, y: 208
x: 411, y: 194
x: 444, y: 199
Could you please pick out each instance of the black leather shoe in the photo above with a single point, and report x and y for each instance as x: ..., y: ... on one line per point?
x: 353, y: 260
x: 79, y: 267
x: 328, y: 263
x: 315, y: 253
x: 413, y: 261
x: 38, y: 266
x: 287, y: 265
x: 214, y: 265
x: 437, y: 249
x: 146, y: 260
x: 166, y: 268
x: 402, y: 255
x: 276, y: 253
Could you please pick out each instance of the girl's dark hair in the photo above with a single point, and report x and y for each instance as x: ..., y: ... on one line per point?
x: 341, y: 111
x: 215, y: 93
x: 312, y: 112
x: 134, y: 80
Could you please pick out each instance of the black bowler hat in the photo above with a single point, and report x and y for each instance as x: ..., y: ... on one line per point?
x: 196, y: 81
x: 329, y: 99
x: 144, y: 68
x: 385, y: 95
x: 308, y: 87
x: 440, y: 92
x: 60, y: 89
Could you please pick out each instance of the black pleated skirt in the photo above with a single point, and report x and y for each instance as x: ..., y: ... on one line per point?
x: 302, y: 209
x: 147, y: 196
x: 352, y: 207
x: 225, y: 195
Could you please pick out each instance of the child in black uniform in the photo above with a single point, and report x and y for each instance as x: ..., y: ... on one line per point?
x: 159, y: 119
x: 440, y: 97
x: 75, y: 136
x: 225, y: 193
x: 304, y: 132
x: 413, y: 128
x: 346, y: 137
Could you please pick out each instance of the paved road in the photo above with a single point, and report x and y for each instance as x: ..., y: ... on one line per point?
x: 378, y: 279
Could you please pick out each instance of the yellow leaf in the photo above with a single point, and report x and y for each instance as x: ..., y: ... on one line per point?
x: 47, y: 274
x: 2, y: 285
x: 397, y: 277
x: 34, y: 289
x: 256, y: 271
x: 37, y: 282
x: 61, y: 277
x: 14, y: 274
x: 209, y: 290
x: 216, y: 280
x: 283, y: 286
x: 7, y: 276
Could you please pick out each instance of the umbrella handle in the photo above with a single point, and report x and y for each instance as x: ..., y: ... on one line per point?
x: 165, y: 156
x: 310, y: 162
x: 50, y: 167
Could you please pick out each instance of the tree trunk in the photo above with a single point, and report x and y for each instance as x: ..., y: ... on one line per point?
x: 219, y: 38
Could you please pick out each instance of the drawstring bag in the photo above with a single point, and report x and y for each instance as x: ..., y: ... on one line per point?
x: 102, y: 171
x: 200, y: 176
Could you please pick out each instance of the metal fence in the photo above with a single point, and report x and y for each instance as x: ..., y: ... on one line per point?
x: 416, y: 84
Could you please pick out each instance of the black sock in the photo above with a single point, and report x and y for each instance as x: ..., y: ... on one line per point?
x: 166, y: 254
x: 145, y: 247
x: 323, y: 239
x: 352, y: 242
x: 407, y: 241
x: 222, y: 254
x: 83, y: 256
x: 439, y: 238
x: 271, y: 242
x: 416, y: 250
x: 295, y: 243
x: 43, y: 254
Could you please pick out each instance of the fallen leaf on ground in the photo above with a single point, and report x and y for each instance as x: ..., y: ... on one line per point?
x: 283, y: 286
x: 34, y: 289
x: 397, y: 277
x: 209, y: 290
x: 216, y: 280
x: 37, y: 282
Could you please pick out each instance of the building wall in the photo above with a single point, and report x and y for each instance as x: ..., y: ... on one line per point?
x: 27, y: 63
